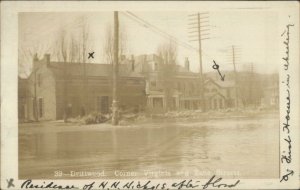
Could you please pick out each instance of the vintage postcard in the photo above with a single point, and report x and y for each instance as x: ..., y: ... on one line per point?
x: 150, y: 95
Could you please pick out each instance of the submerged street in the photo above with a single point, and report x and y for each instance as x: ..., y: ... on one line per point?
x: 232, y: 148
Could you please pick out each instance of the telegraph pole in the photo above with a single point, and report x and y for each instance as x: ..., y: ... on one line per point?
x: 34, y: 71
x: 197, y: 21
x: 235, y: 79
x: 115, y: 109
x: 36, y: 117
x: 253, y: 99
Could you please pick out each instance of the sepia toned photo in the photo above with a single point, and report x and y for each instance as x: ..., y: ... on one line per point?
x: 120, y: 93
x: 116, y: 94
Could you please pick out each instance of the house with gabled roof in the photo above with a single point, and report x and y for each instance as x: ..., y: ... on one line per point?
x: 80, y: 88
x: 169, y: 86
x: 220, y: 94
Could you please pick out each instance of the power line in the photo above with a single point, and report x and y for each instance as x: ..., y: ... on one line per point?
x: 160, y: 32
x: 155, y: 29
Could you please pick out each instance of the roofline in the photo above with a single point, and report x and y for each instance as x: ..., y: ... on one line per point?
x: 209, y: 79
x: 218, y: 93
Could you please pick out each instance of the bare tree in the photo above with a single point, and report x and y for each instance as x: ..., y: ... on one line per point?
x: 64, y: 54
x: 108, y: 45
x: 83, y: 46
x: 26, y: 55
x: 167, y: 70
x: 73, y: 43
x: 168, y: 52
x: 72, y: 47
x: 108, y: 49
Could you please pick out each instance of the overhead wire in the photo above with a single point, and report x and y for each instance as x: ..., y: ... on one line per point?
x: 157, y: 30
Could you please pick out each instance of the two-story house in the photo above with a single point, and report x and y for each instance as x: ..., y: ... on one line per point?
x: 168, y: 86
x: 80, y: 88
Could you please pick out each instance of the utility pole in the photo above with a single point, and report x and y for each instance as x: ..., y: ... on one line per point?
x: 252, y: 95
x: 115, y: 109
x: 85, y: 87
x: 65, y: 91
x: 36, y: 117
x: 34, y: 71
x: 85, y: 80
x: 197, y: 21
x: 235, y: 79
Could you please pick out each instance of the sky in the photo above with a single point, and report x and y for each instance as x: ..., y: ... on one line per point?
x: 254, y: 34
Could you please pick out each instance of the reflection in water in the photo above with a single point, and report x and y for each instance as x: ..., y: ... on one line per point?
x: 195, y: 147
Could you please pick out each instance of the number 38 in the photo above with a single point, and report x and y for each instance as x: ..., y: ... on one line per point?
x: 57, y: 173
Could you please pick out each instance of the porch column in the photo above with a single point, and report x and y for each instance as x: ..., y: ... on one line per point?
x: 177, y: 102
x: 164, y: 102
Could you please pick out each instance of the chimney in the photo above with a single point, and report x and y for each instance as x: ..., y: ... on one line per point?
x: 47, y: 58
x: 187, y: 63
x: 35, y: 60
x: 35, y: 57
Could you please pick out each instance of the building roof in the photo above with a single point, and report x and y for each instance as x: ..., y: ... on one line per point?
x: 147, y: 60
x: 221, y: 84
x: 226, y: 84
x: 92, y: 69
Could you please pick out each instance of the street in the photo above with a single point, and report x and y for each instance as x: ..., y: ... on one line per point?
x: 232, y: 148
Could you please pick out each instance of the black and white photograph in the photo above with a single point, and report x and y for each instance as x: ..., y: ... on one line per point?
x: 200, y: 92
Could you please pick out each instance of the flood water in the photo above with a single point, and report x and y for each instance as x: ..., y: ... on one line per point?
x: 241, y: 148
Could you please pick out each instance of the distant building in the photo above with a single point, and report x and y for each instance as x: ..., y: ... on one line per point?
x: 85, y: 93
x: 270, y: 97
x: 168, y: 86
x: 220, y: 95
x: 145, y: 83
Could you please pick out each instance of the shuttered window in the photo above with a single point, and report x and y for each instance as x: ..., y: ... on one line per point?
x: 41, y: 107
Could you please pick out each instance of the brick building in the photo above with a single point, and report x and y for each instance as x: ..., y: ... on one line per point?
x: 85, y: 92
x: 145, y: 84
x: 168, y: 86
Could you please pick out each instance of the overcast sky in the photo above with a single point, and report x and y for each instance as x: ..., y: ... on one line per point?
x: 254, y: 33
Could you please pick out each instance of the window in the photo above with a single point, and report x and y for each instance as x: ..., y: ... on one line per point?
x: 153, y: 83
x: 178, y: 86
x: 173, y: 106
x: 228, y: 93
x: 157, y: 102
x: 221, y: 103
x: 133, y: 82
x: 187, y: 104
x: 103, y: 104
x: 192, y: 89
x: 215, y: 104
x: 132, y: 65
x: 155, y: 66
x: 41, y: 107
x: 34, y: 108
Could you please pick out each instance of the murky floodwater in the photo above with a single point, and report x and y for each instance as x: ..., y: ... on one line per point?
x: 246, y: 148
